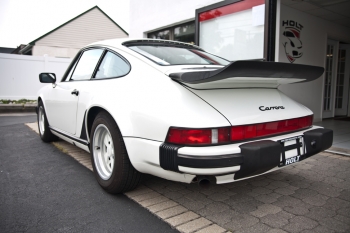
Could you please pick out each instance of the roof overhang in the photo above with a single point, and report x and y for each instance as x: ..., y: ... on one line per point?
x: 26, y: 49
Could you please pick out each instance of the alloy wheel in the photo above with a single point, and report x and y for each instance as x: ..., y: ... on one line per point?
x: 103, y: 152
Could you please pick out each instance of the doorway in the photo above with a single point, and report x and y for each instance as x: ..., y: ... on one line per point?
x: 336, y: 85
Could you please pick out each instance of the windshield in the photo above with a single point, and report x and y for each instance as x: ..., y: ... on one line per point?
x: 171, y: 55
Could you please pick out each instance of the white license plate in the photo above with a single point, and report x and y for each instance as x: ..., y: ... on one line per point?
x: 292, y: 160
x: 292, y: 150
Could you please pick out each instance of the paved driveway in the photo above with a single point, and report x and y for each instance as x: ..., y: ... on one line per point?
x: 310, y: 196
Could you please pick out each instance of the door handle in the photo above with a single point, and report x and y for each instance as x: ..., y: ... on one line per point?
x: 75, y: 92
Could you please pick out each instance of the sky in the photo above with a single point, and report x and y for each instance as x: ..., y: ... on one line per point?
x: 22, y: 21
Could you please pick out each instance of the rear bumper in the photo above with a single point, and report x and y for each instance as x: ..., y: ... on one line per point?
x: 254, y: 158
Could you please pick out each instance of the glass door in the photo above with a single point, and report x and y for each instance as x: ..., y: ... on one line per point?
x: 330, y: 77
x: 342, y: 85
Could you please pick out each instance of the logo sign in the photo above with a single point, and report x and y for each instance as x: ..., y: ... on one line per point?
x: 291, y: 39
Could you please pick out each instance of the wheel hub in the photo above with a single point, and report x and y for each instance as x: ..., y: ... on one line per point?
x: 103, y: 152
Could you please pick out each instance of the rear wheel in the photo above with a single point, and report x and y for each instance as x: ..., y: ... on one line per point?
x: 112, y: 167
x: 44, y: 131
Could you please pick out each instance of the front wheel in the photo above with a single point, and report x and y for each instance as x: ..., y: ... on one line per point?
x: 112, y: 167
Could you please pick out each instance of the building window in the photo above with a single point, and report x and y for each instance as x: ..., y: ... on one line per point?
x: 182, y: 33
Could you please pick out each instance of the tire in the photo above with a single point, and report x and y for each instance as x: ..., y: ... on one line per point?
x: 112, y: 167
x: 43, y: 125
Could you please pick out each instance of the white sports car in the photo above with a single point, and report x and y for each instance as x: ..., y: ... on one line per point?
x: 172, y: 110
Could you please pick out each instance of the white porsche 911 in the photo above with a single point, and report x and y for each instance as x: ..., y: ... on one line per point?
x: 172, y: 110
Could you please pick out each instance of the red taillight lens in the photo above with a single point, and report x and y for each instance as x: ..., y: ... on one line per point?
x: 235, y: 133
x: 278, y: 127
x: 305, y: 122
x: 224, y: 135
x: 243, y: 132
x: 189, y: 136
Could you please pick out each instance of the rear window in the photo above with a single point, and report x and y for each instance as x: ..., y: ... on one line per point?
x: 169, y: 55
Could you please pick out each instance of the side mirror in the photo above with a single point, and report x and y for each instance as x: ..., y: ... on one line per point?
x: 47, y: 78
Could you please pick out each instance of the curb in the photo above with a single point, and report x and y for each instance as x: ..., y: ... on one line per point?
x: 339, y: 151
x: 14, y: 108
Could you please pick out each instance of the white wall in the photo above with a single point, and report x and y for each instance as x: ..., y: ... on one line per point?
x: 314, y: 36
x: 19, y: 76
x: 69, y: 39
x: 51, y: 51
x: 151, y: 15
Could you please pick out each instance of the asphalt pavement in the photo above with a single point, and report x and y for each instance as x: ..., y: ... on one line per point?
x: 44, y: 190
x: 16, y: 118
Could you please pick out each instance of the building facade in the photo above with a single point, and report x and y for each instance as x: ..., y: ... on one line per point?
x: 67, y: 39
x: 312, y: 33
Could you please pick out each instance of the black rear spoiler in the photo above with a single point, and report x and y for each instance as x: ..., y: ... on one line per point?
x: 251, y: 69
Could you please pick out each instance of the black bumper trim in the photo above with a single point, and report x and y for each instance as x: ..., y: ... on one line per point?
x: 317, y: 140
x: 259, y: 157
x: 255, y: 157
x: 168, y: 157
x: 216, y: 161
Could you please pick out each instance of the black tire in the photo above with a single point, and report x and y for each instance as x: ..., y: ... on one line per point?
x: 44, y: 131
x: 123, y: 176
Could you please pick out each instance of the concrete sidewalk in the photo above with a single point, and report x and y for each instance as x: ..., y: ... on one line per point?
x: 310, y: 196
x: 341, y: 134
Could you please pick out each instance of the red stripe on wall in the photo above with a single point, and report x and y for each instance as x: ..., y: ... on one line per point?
x: 229, y: 9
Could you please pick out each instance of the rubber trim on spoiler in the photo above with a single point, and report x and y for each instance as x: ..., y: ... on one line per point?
x: 251, y: 69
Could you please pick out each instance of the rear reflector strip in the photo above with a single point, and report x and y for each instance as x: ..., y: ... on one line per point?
x: 185, y: 136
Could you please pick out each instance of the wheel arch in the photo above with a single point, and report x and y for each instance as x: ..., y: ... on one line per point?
x: 91, y: 115
x: 42, y: 99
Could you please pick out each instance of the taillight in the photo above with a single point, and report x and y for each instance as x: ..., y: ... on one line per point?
x: 198, y: 136
x: 189, y: 136
x: 185, y: 136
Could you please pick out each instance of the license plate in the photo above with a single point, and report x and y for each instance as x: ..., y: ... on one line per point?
x: 292, y: 150
x: 292, y: 160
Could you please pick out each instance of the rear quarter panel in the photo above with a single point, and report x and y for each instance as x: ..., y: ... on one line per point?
x: 146, y: 102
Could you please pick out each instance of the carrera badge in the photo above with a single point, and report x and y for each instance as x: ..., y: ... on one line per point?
x: 263, y: 108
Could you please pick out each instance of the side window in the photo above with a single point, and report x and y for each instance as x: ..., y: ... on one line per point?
x: 112, y: 66
x: 86, y: 64
x: 71, y: 71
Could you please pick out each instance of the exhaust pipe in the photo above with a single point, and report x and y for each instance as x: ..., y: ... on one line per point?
x: 203, y: 182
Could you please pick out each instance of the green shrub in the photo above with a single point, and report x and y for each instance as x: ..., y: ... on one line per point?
x: 21, y: 101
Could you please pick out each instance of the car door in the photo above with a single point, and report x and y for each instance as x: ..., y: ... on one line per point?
x: 62, y: 102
